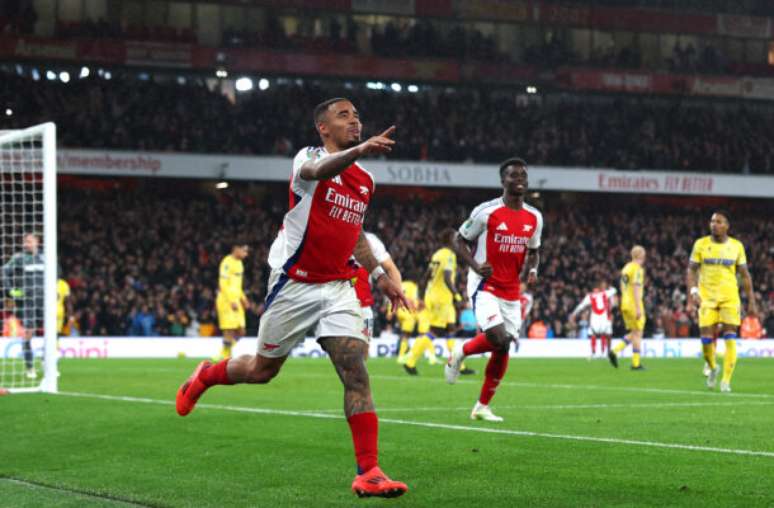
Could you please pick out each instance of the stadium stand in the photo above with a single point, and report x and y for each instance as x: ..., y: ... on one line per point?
x: 463, y: 124
x: 142, y: 256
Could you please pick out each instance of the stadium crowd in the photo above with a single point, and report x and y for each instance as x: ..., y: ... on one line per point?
x: 464, y: 124
x: 398, y: 37
x: 144, y: 261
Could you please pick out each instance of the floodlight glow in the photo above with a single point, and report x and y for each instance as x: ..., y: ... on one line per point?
x: 244, y: 84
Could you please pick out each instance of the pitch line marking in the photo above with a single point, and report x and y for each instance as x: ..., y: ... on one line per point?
x: 669, y: 391
x: 73, y: 492
x: 571, y: 406
x: 464, y: 428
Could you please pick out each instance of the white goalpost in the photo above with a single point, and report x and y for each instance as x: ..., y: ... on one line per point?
x: 28, y: 261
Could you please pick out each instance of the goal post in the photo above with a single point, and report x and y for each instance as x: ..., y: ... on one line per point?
x: 28, y: 260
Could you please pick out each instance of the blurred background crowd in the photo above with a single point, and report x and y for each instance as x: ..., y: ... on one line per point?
x: 441, y: 124
x: 142, y: 257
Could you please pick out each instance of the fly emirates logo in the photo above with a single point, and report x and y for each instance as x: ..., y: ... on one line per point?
x: 511, y: 244
x: 345, y: 208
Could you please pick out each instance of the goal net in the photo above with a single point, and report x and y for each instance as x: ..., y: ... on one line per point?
x: 28, y: 265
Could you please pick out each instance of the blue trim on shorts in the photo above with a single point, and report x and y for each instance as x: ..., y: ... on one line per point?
x: 283, y: 279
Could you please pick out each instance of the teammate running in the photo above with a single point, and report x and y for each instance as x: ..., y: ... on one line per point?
x: 310, y: 286
x: 600, y: 324
x: 499, y: 238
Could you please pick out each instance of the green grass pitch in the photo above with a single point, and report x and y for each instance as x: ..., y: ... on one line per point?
x: 576, y: 433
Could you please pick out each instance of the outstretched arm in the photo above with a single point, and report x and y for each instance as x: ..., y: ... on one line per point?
x: 328, y: 167
x: 581, y: 306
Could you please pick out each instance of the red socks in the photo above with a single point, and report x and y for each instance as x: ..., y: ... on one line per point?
x: 477, y: 345
x: 495, y: 370
x: 365, y: 437
x: 215, y: 374
x: 594, y: 344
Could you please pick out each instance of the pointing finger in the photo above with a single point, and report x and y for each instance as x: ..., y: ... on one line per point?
x: 389, y: 132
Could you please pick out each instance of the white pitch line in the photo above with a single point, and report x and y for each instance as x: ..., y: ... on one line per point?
x: 466, y: 428
x: 572, y: 406
x: 669, y: 391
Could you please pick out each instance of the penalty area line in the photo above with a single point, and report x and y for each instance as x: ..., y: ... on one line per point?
x: 433, y: 425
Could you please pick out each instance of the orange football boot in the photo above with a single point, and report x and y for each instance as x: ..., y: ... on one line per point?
x: 191, y: 390
x: 374, y: 483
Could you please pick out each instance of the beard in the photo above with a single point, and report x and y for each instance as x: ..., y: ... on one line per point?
x: 349, y: 143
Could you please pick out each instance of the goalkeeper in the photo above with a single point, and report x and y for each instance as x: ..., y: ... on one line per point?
x: 23, y: 281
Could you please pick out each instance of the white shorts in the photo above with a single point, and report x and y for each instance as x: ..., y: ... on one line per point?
x: 491, y: 311
x: 368, y: 320
x: 330, y: 309
x: 599, y: 324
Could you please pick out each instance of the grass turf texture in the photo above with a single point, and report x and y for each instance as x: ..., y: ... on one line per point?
x: 142, y: 452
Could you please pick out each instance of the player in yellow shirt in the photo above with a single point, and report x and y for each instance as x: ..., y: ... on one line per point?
x: 62, y: 293
x: 231, y: 301
x: 412, y: 322
x: 632, y: 308
x: 714, y: 262
x: 440, y: 296
x: 407, y: 319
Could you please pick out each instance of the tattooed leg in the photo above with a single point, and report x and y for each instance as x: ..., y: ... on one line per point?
x: 348, y: 357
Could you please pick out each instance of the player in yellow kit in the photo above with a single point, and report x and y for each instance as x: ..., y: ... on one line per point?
x: 407, y: 319
x: 62, y: 293
x: 440, y: 296
x: 632, y: 308
x: 714, y: 262
x: 412, y: 323
x: 231, y: 301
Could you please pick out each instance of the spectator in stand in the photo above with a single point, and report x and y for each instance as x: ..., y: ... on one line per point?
x: 751, y: 328
x: 129, y: 271
x: 143, y: 323
x: 466, y: 124
x: 538, y: 330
